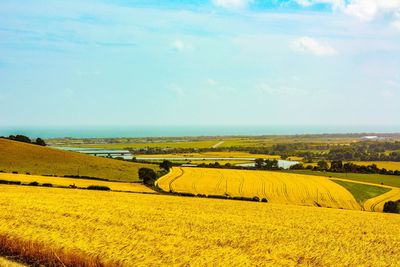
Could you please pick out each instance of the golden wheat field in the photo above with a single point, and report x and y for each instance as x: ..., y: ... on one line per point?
x: 377, y: 203
x: 276, y: 187
x: 56, y: 225
x: 60, y: 181
x: 7, y: 263
x: 388, y: 165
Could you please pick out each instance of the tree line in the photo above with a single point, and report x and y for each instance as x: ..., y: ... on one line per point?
x: 25, y: 139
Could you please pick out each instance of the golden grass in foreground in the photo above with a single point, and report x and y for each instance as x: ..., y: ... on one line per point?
x: 59, y: 181
x: 276, y: 187
x: 7, y: 263
x: 22, y: 157
x: 151, y: 230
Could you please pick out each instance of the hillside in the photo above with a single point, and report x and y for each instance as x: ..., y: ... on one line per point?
x: 92, y: 228
x: 275, y: 187
x: 26, y: 158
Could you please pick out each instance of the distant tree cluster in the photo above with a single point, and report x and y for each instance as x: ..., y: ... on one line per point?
x: 25, y: 139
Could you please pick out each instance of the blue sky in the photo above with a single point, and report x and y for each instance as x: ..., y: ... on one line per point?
x: 220, y: 62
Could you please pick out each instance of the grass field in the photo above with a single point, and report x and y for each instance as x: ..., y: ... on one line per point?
x: 180, y: 144
x: 388, y: 165
x: 379, y: 179
x: 362, y: 192
x: 84, y: 183
x: 23, y: 158
x: 276, y: 187
x: 141, y: 230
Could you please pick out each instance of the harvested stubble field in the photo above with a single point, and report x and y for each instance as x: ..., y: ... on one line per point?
x: 276, y: 187
x: 83, y: 183
x: 61, y: 226
x: 23, y: 158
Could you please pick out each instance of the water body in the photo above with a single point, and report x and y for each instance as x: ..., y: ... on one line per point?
x: 176, y: 131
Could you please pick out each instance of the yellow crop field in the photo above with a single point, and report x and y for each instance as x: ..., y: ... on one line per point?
x: 7, y: 263
x: 66, y: 227
x: 276, y: 187
x: 377, y: 203
x: 59, y: 181
x: 388, y: 165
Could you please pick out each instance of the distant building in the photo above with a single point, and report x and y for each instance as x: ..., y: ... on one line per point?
x: 370, y: 137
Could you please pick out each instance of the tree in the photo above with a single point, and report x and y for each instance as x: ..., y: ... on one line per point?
x: 166, y: 165
x: 148, y: 176
x: 323, y: 165
x: 20, y: 138
x: 259, y: 163
x: 392, y: 207
x: 40, y: 142
x: 336, y: 166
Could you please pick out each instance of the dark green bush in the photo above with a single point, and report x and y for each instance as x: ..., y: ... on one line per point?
x: 47, y: 185
x: 392, y: 207
x: 98, y: 187
x: 33, y: 183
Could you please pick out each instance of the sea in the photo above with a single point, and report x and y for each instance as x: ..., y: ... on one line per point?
x: 192, y: 130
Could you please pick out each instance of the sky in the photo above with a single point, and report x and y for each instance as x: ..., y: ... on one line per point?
x: 218, y: 62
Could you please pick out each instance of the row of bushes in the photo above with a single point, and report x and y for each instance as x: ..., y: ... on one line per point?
x: 34, y: 183
x: 255, y: 199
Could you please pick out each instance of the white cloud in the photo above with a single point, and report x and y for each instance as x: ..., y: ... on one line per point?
x: 365, y: 10
x: 232, y: 4
x: 211, y: 82
x: 178, y: 45
x: 310, y: 45
x: 280, y: 90
x: 176, y: 89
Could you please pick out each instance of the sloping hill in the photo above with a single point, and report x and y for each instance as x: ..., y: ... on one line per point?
x: 23, y: 158
x: 276, y: 187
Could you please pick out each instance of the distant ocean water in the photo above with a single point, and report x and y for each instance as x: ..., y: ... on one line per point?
x: 176, y: 131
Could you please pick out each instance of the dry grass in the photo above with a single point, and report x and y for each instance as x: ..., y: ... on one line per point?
x: 22, y: 157
x: 276, y: 187
x: 84, y: 183
x: 154, y: 230
x: 5, y: 262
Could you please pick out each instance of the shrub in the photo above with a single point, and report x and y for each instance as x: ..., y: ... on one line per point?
x: 98, y: 187
x: 47, y: 185
x: 392, y: 207
x: 14, y: 172
x: 28, y: 173
x: 256, y: 199
x: 264, y: 200
x: 148, y: 176
x: 33, y: 183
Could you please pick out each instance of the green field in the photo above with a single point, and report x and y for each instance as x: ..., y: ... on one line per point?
x: 391, y: 180
x: 26, y: 158
x: 362, y: 192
